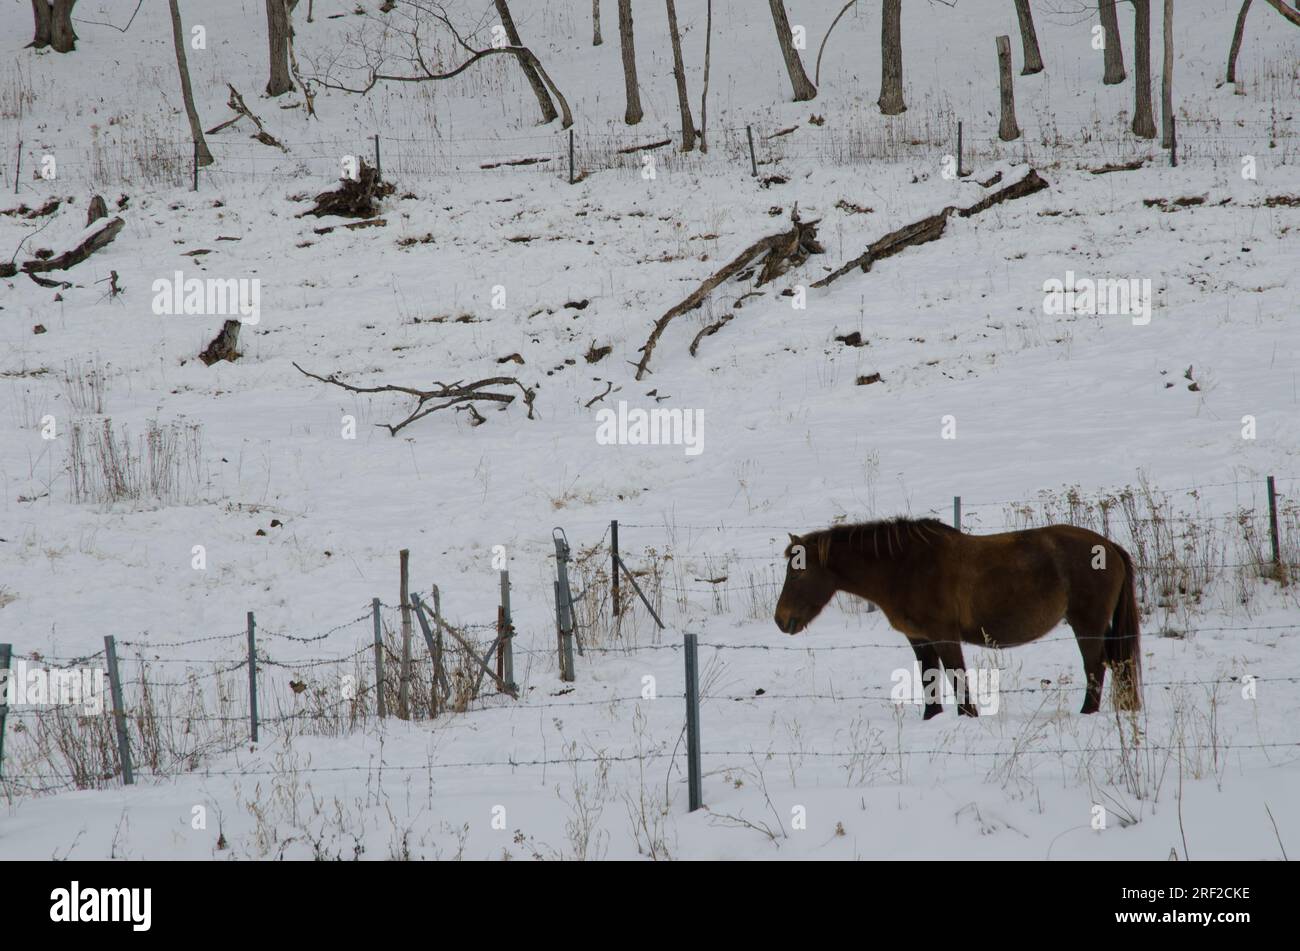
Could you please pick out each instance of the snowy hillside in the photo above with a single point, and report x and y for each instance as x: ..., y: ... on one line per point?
x: 159, y: 500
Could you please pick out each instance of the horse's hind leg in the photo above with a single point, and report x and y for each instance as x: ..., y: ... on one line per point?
x: 950, y: 654
x: 931, y: 677
x: 1090, y: 636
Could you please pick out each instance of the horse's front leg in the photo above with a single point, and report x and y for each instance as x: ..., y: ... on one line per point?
x: 951, y: 655
x: 931, y: 677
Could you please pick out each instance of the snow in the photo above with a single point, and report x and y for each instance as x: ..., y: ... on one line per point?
x: 1040, y: 402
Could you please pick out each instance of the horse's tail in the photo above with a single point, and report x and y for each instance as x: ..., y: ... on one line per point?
x: 1123, y: 650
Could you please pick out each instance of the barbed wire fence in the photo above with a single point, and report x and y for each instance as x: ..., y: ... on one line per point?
x: 160, y: 721
x: 124, y: 161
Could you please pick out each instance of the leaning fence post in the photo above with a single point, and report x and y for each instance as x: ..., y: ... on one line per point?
x: 252, y: 677
x: 119, y: 711
x: 693, y: 724
x: 956, y: 512
x: 379, y: 659
x: 1272, y: 521
x: 506, y: 652
x: 6, y: 655
x: 613, y: 562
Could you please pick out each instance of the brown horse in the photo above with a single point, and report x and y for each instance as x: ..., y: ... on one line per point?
x: 941, y: 587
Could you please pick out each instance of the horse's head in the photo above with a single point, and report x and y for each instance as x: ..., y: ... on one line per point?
x: 809, y: 585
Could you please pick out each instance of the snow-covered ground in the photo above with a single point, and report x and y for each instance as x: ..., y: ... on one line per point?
x: 804, y: 753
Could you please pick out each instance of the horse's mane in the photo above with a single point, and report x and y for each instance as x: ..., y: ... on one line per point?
x: 887, y: 537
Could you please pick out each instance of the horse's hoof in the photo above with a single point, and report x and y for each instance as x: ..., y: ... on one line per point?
x: 932, y: 711
x: 1090, y: 708
x: 967, y: 711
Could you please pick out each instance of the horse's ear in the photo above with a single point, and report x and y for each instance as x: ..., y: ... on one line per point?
x: 794, y: 539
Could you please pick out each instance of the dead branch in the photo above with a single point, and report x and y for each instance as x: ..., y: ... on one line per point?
x: 709, y: 331
x: 649, y: 146
x: 1119, y: 167
x: 450, y: 394
x: 236, y: 102
x: 783, y: 250
x: 931, y: 228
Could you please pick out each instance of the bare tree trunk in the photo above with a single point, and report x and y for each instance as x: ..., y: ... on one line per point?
x: 679, y: 73
x: 202, y: 156
x: 633, y: 114
x: 63, y: 38
x: 534, y: 80
x: 1114, y: 53
x: 43, y: 14
x: 803, y: 87
x: 1237, y: 35
x: 1008, y: 129
x: 704, y: 96
x: 891, y: 58
x: 1169, y: 139
x: 1144, y: 123
x: 278, y: 26
x: 1028, y: 39
x: 595, y: 23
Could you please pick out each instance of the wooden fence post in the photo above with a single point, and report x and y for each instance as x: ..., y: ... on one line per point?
x: 6, y: 656
x: 1008, y: 130
x: 1272, y: 522
x: 404, y: 684
x: 506, y: 652
x: 252, y: 677
x: 693, y: 785
x: 119, y: 712
x: 379, y: 659
x: 613, y: 562
x: 563, y: 643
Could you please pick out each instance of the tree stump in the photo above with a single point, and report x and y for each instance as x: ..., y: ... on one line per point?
x: 223, y: 345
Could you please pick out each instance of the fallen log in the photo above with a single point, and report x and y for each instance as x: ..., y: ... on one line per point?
x: 354, y: 197
x: 451, y: 394
x: 98, y: 235
x: 787, y: 248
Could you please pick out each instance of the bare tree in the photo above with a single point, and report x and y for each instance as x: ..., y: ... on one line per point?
x: 418, y: 61
x: 704, y: 96
x: 803, y: 87
x: 1237, y: 35
x: 891, y: 58
x: 595, y: 23
x: 539, y: 88
x: 279, y: 26
x: 1169, y: 139
x: 53, y: 25
x: 1028, y: 39
x: 202, y: 156
x: 1144, y: 123
x: 1114, y: 52
x: 633, y: 113
x: 679, y: 73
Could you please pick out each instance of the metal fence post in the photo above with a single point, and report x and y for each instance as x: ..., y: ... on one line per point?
x: 956, y: 512
x: 1272, y: 521
x: 404, y: 685
x: 507, y: 651
x: 613, y: 566
x: 753, y: 161
x: 252, y: 677
x: 379, y: 660
x: 6, y: 655
x: 694, y: 792
x: 119, y: 712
